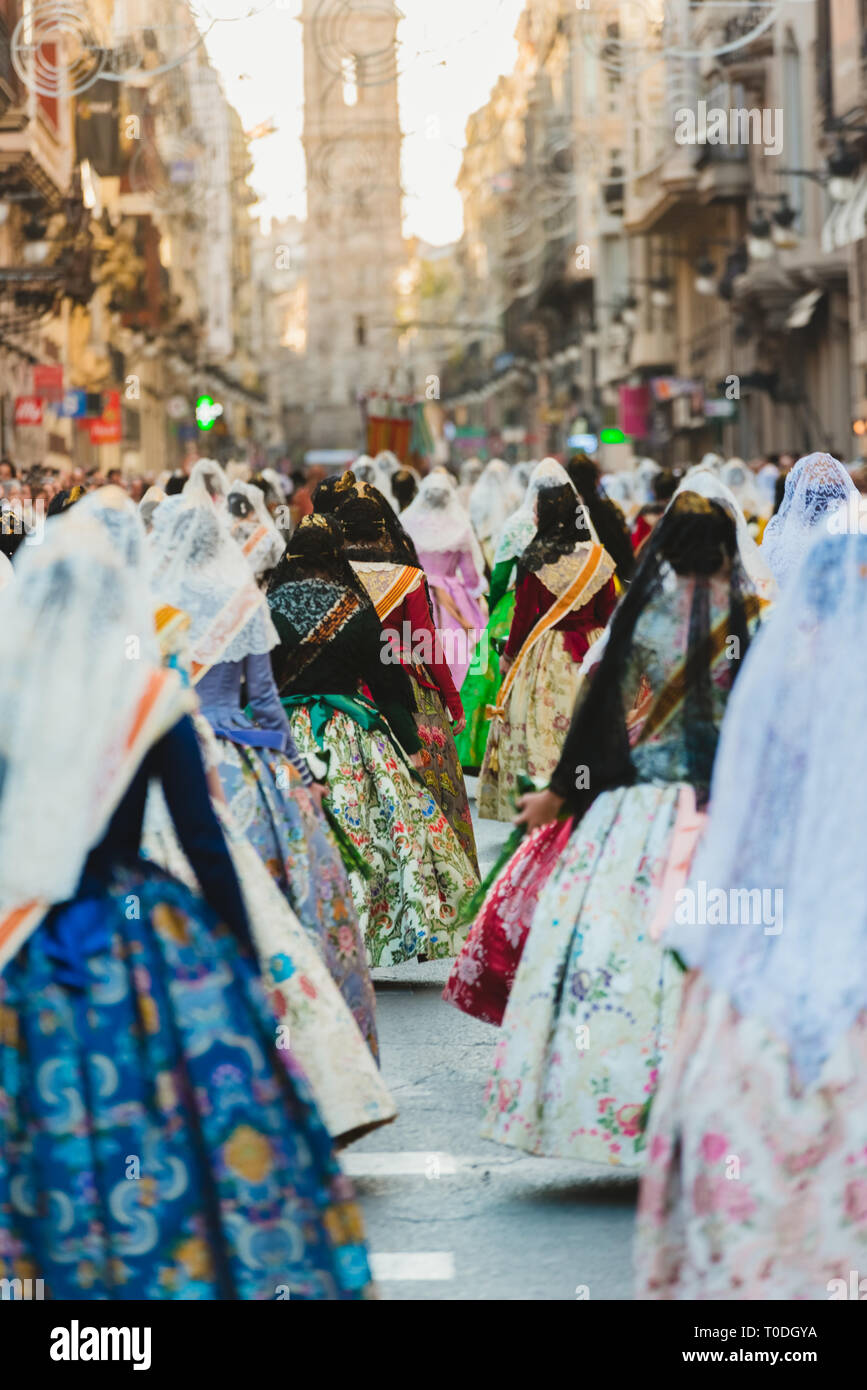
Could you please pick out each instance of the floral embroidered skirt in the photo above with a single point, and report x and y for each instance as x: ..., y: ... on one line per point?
x: 754, y: 1188
x: 270, y: 805
x: 418, y: 872
x: 313, y: 1019
x: 593, y: 1007
x: 440, y: 767
x: 482, y: 684
x: 529, y: 739
x: 155, y: 1143
x: 481, y: 977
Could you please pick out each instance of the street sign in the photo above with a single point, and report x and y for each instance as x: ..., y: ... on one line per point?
x: 208, y: 412
x: 28, y: 410
x: 48, y: 382
x: 74, y: 405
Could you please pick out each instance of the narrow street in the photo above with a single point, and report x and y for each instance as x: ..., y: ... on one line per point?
x: 453, y: 1216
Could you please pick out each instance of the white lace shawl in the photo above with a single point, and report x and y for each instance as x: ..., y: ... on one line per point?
x: 815, y: 487
x: 788, y: 808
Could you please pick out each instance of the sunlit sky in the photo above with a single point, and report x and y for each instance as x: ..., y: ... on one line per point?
x: 451, y: 54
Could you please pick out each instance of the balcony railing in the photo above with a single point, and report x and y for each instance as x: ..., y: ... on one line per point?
x: 10, y: 86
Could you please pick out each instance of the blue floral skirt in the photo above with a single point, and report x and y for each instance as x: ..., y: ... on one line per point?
x: 155, y: 1141
x: 271, y: 805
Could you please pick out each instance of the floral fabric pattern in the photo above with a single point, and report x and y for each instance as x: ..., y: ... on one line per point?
x: 481, y: 978
x: 419, y: 872
x: 270, y: 805
x: 593, y: 1007
x: 755, y: 1188
x: 532, y: 733
x: 316, y: 1024
x: 154, y: 1141
x: 440, y: 767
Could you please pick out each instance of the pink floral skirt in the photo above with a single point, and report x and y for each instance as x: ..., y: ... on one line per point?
x: 754, y: 1188
x: 481, y: 977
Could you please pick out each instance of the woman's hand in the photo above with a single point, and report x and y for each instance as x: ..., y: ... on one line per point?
x: 505, y: 663
x: 538, y: 808
x: 459, y: 723
x: 416, y: 761
x: 317, y: 791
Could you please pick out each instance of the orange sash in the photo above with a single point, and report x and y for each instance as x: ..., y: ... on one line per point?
x: 569, y: 599
x: 673, y: 693
x: 407, y: 579
x: 252, y: 541
x: 228, y: 623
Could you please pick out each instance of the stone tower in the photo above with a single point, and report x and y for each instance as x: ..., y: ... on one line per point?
x: 355, y: 249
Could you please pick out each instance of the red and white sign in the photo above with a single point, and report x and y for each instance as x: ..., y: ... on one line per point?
x: 48, y: 383
x: 108, y: 429
x: 28, y: 410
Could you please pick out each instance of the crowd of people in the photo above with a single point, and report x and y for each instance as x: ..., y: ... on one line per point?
x: 235, y: 740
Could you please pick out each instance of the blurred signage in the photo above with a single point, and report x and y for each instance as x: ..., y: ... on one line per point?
x: 108, y: 428
x: 668, y: 388
x: 48, y: 383
x: 208, y: 412
x: 612, y: 436
x: 634, y: 407
x: 74, y: 405
x: 720, y: 410
x: 28, y: 410
x: 588, y: 443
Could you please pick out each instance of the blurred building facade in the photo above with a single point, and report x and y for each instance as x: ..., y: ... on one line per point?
x: 126, y: 246
x: 684, y: 293
x: 355, y: 250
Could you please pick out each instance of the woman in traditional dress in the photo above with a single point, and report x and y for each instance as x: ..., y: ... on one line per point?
x: 751, y: 500
x: 148, y: 505
x: 482, y: 682
x: 817, y: 486
x: 565, y: 596
x: 593, y: 1006
x: 404, y: 485
x: 494, y: 497
x: 605, y: 516
x: 349, y: 706
x: 253, y: 528
x: 756, y: 1182
x: 709, y: 484
x: 450, y: 556
x: 154, y: 1140
x: 376, y: 474
x: 469, y: 473
x: 399, y: 595
x: 208, y: 477
x: 317, y: 1024
x: 269, y: 786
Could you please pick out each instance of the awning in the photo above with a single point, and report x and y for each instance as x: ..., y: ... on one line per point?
x: 802, y: 310
x: 847, y: 222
